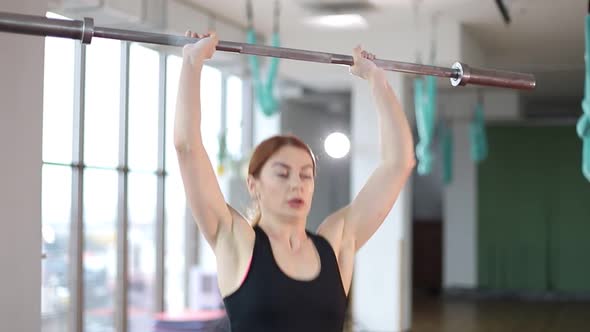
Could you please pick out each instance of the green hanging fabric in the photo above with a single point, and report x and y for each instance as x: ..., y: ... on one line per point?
x: 446, y: 141
x: 479, y: 144
x: 425, y: 104
x: 419, y: 109
x: 264, y: 90
x: 222, y: 153
x: 583, y: 126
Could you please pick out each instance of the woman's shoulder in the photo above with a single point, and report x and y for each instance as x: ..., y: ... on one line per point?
x: 322, y: 243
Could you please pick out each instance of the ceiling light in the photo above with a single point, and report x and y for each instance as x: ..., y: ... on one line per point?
x: 341, y: 21
x: 337, y: 145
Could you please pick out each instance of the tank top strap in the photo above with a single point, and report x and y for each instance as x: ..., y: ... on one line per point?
x: 264, y: 249
x: 324, y: 248
x: 261, y: 241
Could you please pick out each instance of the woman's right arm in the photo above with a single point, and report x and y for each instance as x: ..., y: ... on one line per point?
x: 204, y: 196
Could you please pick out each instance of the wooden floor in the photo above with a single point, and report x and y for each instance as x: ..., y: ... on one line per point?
x: 432, y: 314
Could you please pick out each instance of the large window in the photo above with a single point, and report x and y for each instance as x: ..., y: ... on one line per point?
x: 102, y: 90
x: 56, y: 207
x: 112, y: 196
x: 102, y: 103
x: 100, y: 249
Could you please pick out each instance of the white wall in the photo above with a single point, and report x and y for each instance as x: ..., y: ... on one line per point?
x: 21, y: 96
x: 471, y: 51
x: 460, y: 196
x: 459, y: 215
x: 382, y: 275
x: 457, y: 104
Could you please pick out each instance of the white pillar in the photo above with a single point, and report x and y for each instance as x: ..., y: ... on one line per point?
x: 382, y: 274
x: 21, y: 116
x: 459, y: 214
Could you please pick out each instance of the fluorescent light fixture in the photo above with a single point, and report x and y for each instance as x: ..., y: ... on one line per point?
x: 338, y: 21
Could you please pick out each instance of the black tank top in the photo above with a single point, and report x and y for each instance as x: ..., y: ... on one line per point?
x: 269, y: 300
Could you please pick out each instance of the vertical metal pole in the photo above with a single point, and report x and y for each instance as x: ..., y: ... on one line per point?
x: 76, y: 271
x: 223, y: 120
x: 123, y: 210
x: 248, y: 108
x: 159, y: 304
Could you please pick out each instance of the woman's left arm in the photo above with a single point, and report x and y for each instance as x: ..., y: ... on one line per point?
x: 357, y: 222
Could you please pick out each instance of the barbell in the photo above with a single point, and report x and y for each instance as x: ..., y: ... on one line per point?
x: 460, y: 74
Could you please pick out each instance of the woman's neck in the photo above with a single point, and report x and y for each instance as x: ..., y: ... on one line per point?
x: 291, y: 233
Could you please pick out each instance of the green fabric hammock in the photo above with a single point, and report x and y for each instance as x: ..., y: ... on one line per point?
x: 222, y: 153
x: 583, y: 126
x: 264, y: 90
x: 477, y: 131
x: 425, y: 104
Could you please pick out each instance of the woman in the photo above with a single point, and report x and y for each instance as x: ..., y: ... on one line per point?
x: 274, y: 275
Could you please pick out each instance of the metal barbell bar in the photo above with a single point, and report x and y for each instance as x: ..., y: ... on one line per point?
x: 84, y: 30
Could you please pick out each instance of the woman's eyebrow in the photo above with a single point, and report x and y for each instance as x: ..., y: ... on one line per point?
x: 278, y: 163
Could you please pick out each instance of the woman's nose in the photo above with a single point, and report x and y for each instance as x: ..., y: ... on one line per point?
x: 295, y: 181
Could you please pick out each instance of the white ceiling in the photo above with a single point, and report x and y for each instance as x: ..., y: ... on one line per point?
x: 546, y: 37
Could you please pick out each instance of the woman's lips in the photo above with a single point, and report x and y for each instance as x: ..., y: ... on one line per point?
x: 296, y: 203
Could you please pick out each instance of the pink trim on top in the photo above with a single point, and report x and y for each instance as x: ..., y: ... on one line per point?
x: 247, y: 270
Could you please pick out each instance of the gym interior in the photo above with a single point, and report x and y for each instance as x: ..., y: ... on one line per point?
x: 490, y: 233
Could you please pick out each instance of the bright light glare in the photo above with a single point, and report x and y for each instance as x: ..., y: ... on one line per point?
x: 48, y: 234
x: 337, y: 145
x: 56, y: 16
x: 338, y: 21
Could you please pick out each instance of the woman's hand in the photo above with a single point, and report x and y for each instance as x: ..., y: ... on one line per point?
x: 202, y: 49
x: 363, y: 66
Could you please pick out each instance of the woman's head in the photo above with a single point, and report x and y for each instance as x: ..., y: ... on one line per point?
x: 281, y: 177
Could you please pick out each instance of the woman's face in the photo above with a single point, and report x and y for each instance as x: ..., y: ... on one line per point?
x: 286, y: 183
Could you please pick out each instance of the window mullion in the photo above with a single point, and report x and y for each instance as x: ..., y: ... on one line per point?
x: 76, y: 269
x: 123, y: 210
x: 160, y: 212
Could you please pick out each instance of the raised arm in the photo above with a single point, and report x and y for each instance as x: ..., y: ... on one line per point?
x: 204, y: 196
x: 353, y: 225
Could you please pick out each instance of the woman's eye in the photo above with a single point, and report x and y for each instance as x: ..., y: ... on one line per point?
x: 305, y: 176
x: 283, y: 175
